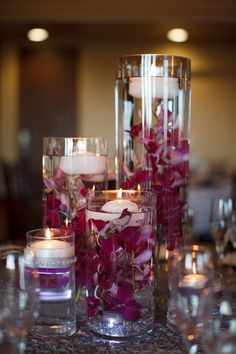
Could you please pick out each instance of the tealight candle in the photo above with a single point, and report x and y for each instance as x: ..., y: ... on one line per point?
x: 113, y: 209
x: 118, y: 205
x: 52, y: 249
x: 195, y: 281
x: 49, y: 248
x: 84, y: 163
x: 157, y: 86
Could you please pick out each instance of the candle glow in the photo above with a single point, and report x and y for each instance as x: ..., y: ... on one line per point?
x: 48, y: 234
x: 194, y: 268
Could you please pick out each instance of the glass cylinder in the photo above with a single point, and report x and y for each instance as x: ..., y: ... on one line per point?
x: 19, y: 299
x: 120, y: 262
x: 192, y: 270
x: 152, y: 134
x: 54, y: 250
x: 72, y: 167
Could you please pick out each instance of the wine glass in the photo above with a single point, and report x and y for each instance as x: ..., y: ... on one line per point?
x: 220, y: 336
x: 191, y: 291
x: 19, y: 300
x: 221, y: 211
x: 230, y: 235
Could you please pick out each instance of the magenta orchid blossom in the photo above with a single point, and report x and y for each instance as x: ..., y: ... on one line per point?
x: 65, y: 208
x: 119, y: 265
x: 164, y: 169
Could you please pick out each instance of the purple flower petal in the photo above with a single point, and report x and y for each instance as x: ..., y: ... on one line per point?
x: 143, y: 257
x: 131, y: 312
x: 124, y: 294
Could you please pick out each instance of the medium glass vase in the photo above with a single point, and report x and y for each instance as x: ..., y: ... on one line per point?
x: 152, y: 135
x: 121, y: 260
x: 71, y: 167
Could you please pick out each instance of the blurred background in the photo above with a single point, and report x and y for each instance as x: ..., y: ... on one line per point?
x: 64, y: 86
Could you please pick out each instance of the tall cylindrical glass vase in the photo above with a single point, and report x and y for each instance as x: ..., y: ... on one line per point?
x: 152, y: 134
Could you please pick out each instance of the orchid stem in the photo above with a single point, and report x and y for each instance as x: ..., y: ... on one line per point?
x: 77, y: 298
x: 157, y: 265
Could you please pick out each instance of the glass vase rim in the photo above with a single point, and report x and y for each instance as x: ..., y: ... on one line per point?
x: 76, y: 137
x: 193, y: 248
x: 36, y: 233
x: 128, y: 191
x: 154, y: 65
x: 163, y: 55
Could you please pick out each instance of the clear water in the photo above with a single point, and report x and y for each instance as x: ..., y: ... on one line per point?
x: 57, y: 313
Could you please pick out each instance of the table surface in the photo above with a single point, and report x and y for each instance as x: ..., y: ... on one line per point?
x: 160, y: 340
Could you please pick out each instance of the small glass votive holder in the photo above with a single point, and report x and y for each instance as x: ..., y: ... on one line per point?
x: 54, y: 252
x: 191, y: 271
x: 121, y: 241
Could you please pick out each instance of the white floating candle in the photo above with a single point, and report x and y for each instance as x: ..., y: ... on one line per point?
x: 52, y: 249
x: 156, y: 87
x: 84, y: 163
x: 195, y: 281
x: 49, y: 248
x: 113, y: 209
x: 118, y: 205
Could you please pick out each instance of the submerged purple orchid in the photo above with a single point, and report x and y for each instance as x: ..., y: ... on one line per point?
x: 164, y: 169
x: 120, y: 263
x: 64, y: 207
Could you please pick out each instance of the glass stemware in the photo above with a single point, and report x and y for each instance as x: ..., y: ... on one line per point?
x: 221, y: 211
x: 220, y: 336
x: 191, y: 291
x: 18, y: 292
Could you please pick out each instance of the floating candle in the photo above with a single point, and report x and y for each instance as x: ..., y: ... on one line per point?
x: 113, y: 209
x: 49, y: 248
x: 84, y: 163
x: 156, y: 87
x: 195, y: 281
x: 119, y: 204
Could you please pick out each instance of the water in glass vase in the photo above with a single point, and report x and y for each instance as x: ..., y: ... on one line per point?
x: 57, y: 302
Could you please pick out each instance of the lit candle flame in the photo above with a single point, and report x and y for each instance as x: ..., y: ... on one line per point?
x: 167, y: 261
x: 48, y: 233
x: 93, y: 189
x: 81, y: 146
x: 138, y: 187
x: 194, y: 268
x: 119, y: 194
x: 66, y: 222
x: 167, y: 255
